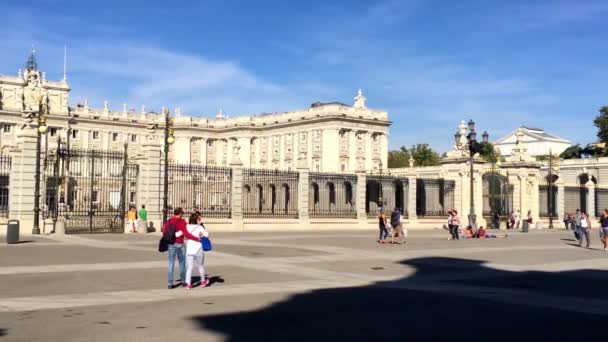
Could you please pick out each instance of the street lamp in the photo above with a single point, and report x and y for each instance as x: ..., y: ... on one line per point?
x: 169, y: 139
x: 42, y: 129
x: 553, y: 167
x: 380, y: 201
x: 473, y: 147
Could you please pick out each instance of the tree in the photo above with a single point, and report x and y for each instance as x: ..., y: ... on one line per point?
x: 487, y: 152
x: 601, y: 122
x: 574, y: 151
x: 398, y: 158
x: 424, y: 155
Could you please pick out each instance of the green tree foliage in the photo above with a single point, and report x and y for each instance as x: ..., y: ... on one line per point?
x: 487, y: 152
x: 423, y: 155
x: 601, y: 122
x: 574, y: 151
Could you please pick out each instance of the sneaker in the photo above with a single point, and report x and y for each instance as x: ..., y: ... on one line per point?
x: 204, y: 283
x: 188, y: 287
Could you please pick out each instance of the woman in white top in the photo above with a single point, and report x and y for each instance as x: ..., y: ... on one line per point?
x: 194, y: 251
x: 585, y: 228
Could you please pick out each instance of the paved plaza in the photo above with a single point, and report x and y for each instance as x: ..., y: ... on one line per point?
x: 337, y: 285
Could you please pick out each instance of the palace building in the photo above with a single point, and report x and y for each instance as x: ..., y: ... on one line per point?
x: 325, y: 137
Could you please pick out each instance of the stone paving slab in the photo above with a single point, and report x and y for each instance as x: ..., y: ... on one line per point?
x: 58, y: 283
x: 70, y: 254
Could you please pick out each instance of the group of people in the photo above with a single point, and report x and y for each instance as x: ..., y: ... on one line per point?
x: 186, y: 248
x: 469, y: 232
x: 515, y: 219
x: 393, y: 226
x: 133, y: 217
x: 580, y: 223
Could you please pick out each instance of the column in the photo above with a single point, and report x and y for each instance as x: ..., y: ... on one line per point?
x: 352, y: 151
x: 309, y: 139
x: 22, y: 179
x: 330, y: 150
x: 367, y: 146
x: 411, y: 195
x: 151, y: 174
x: 282, y: 152
x: 245, y: 151
x: 181, y: 150
x: 360, y: 197
x: 303, y: 195
x: 590, y: 200
x: 384, y: 149
x: 561, y: 199
x: 203, y: 151
x: 237, y: 194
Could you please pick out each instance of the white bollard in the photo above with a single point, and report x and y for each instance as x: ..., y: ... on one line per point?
x: 60, y: 228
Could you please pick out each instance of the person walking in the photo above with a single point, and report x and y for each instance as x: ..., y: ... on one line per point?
x: 382, y: 226
x: 496, y: 220
x: 567, y: 220
x: 517, y: 219
x: 194, y: 251
x: 177, y: 226
x: 397, y: 226
x: 455, y: 224
x: 511, y: 220
x: 143, y: 216
x: 577, y: 224
x: 450, y: 224
x: 604, y: 229
x: 585, y: 229
x: 132, y: 217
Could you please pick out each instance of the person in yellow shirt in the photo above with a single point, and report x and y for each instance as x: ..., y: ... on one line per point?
x: 132, y: 217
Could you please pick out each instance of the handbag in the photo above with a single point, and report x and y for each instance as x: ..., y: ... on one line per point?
x: 206, y: 244
x: 163, y: 245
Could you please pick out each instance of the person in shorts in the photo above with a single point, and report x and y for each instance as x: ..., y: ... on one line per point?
x: 604, y: 229
x: 397, y: 226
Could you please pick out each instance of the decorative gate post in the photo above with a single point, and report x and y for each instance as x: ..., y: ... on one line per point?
x: 561, y: 199
x: 21, y: 195
x: 590, y: 199
x: 151, y: 189
x: 237, y: 194
x: 304, y: 196
x: 411, y: 196
x: 360, y: 199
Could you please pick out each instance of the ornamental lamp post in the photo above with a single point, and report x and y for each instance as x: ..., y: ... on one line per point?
x: 169, y: 139
x: 473, y: 147
x: 42, y: 129
x: 380, y: 201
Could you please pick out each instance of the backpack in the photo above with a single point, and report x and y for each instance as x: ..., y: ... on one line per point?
x: 395, y: 219
x: 167, y: 239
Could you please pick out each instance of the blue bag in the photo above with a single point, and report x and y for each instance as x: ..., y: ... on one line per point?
x: 206, y: 244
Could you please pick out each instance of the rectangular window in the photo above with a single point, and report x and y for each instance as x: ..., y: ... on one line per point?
x: 53, y: 131
x: 132, y: 197
x: 75, y: 134
x: 114, y: 137
x: 95, y: 135
x: 94, y: 196
x: 133, y: 138
x: 6, y: 128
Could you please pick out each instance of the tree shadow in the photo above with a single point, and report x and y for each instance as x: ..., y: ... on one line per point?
x: 3, y: 332
x: 445, y: 297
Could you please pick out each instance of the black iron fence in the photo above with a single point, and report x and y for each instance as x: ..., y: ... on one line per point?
x: 575, y: 197
x: 200, y: 188
x: 270, y: 193
x: 543, y: 200
x: 5, y: 170
x: 601, y: 201
x: 434, y: 197
x: 385, y: 191
x: 332, y: 195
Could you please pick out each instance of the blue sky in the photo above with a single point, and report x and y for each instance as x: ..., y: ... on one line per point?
x: 430, y: 63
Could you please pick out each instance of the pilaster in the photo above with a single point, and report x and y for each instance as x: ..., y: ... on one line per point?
x: 561, y: 199
x: 330, y: 150
x: 303, y: 195
x: 237, y: 194
x: 151, y: 180
x: 22, y: 178
x: 181, y: 150
x: 591, y: 200
x: 411, y: 195
x: 360, y: 199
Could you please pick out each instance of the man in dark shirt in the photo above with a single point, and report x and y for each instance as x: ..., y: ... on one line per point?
x: 604, y: 229
x: 177, y: 249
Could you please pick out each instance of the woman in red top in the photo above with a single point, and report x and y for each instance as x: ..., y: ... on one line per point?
x: 177, y: 249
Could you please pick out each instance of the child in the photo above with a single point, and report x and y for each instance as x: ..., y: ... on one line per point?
x: 194, y: 251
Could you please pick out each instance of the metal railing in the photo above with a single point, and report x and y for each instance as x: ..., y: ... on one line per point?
x: 200, y: 188
x: 434, y: 197
x: 385, y: 191
x: 332, y: 195
x: 543, y: 200
x: 270, y: 193
x: 5, y: 170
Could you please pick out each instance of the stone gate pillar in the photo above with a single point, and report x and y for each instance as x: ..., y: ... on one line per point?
x: 411, y: 196
x: 303, y: 195
x: 360, y: 199
x: 151, y: 178
x: 22, y: 179
x: 591, y: 199
x: 236, y: 197
x: 561, y: 199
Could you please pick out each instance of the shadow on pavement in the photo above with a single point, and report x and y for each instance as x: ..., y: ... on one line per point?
x: 391, y: 311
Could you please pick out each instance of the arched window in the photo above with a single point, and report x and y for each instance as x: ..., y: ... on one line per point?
x: 273, y: 197
x: 260, y: 197
x: 348, y: 193
x: 286, y: 198
x: 331, y: 189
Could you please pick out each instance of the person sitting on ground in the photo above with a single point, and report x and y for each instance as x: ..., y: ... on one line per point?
x: 468, y: 234
x: 481, y: 233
